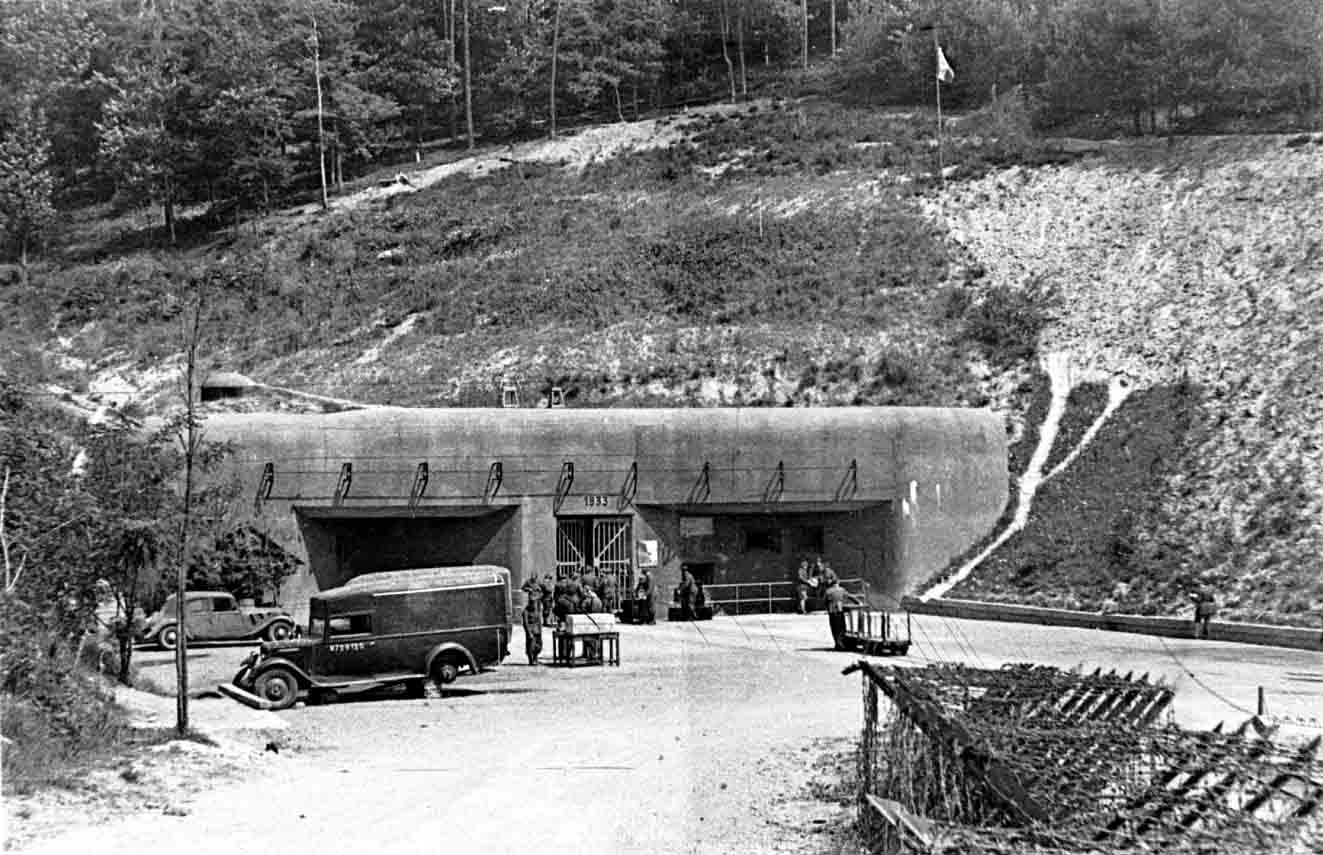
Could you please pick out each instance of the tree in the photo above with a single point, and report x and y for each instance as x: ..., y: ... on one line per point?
x: 408, y: 58
x: 44, y: 530
x: 142, y: 140
x: 26, y: 183
x: 245, y: 562
x: 129, y: 477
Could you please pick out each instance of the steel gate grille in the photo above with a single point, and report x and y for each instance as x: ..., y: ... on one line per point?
x: 613, y: 555
x: 605, y: 542
x: 571, y: 544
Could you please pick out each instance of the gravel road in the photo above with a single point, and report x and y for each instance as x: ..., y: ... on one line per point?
x: 710, y: 737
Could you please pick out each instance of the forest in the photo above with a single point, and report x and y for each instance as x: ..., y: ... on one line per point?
x: 243, y: 105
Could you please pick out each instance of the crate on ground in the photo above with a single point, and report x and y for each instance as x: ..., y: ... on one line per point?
x: 587, y: 624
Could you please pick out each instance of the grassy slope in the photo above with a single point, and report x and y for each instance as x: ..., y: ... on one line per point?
x: 789, y: 258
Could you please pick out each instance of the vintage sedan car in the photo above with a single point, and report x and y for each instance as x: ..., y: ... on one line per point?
x: 216, y: 616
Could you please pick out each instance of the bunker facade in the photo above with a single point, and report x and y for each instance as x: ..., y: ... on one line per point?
x: 884, y: 494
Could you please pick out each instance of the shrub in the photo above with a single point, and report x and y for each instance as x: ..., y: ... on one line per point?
x: 1007, y: 321
x: 54, y: 711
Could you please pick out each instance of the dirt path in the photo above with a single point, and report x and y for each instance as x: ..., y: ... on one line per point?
x: 575, y: 150
x: 706, y: 739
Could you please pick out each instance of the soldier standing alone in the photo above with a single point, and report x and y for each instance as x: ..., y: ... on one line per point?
x: 533, y: 629
x: 835, y: 598
x: 643, y: 597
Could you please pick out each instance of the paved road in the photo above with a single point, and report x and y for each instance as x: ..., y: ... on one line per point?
x: 697, y: 743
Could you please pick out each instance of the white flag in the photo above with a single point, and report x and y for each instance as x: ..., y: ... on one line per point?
x: 945, y: 74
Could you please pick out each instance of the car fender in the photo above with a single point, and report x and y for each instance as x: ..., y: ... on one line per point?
x: 448, y: 647
x: 260, y: 627
x: 280, y: 662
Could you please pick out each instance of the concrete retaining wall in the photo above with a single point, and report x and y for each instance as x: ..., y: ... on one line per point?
x: 1300, y: 638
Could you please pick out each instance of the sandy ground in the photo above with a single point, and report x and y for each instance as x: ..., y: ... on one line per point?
x: 716, y: 737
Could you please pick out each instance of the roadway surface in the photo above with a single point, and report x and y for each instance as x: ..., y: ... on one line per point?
x: 700, y: 742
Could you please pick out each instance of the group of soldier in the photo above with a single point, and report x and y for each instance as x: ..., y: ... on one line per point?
x: 550, y: 601
x: 813, y: 578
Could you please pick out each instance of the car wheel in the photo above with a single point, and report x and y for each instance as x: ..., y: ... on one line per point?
x: 168, y: 638
x: 278, y: 632
x: 279, y: 686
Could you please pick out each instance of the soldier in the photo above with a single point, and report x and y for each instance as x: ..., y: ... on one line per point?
x: 643, y: 594
x: 590, y: 603
x: 533, y: 629
x: 829, y: 576
x: 609, y: 591
x: 567, y: 600
x: 1205, y: 609
x: 835, y: 598
x: 548, y: 590
x: 688, y: 591
x: 802, y: 588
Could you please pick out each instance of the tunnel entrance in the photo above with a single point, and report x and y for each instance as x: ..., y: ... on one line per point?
x: 347, y: 542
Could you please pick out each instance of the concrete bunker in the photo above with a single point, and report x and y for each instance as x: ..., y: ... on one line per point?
x: 885, y: 495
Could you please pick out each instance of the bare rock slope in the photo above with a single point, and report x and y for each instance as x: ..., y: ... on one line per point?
x: 1196, y: 265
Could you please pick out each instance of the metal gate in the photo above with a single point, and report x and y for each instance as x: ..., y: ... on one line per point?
x: 606, y: 543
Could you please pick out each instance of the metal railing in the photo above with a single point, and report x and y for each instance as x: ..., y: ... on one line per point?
x: 738, y: 597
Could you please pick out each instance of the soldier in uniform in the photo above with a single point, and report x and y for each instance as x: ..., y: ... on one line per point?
x: 548, y: 589
x: 533, y: 629
x: 1205, y: 609
x: 688, y: 592
x: 590, y: 603
x: 835, y: 598
x: 802, y: 588
x: 643, y: 593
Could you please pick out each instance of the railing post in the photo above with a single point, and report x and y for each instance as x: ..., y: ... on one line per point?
x: 737, y: 599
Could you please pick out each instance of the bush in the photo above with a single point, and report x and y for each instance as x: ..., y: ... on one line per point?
x: 54, y: 712
x: 1007, y: 321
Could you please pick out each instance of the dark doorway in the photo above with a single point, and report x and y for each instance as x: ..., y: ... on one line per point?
x: 344, y: 545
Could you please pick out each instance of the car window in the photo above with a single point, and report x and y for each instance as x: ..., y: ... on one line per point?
x: 350, y: 625
x: 316, y: 627
x: 222, y: 604
x: 197, y: 607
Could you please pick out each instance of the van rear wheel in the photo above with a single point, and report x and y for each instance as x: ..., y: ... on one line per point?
x: 445, y: 671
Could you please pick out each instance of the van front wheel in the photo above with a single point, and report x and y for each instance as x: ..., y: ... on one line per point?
x: 278, y: 686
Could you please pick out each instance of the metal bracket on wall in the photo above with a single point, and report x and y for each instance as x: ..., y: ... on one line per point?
x: 342, y: 487
x: 264, y: 487
x: 776, y: 485
x: 849, y: 484
x: 564, y: 484
x: 495, y: 474
x: 702, y: 488
x: 419, y: 485
x: 630, y: 487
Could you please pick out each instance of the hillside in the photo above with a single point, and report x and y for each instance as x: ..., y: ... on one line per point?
x: 804, y: 254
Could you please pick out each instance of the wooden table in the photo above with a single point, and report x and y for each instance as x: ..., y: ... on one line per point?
x: 585, y: 648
